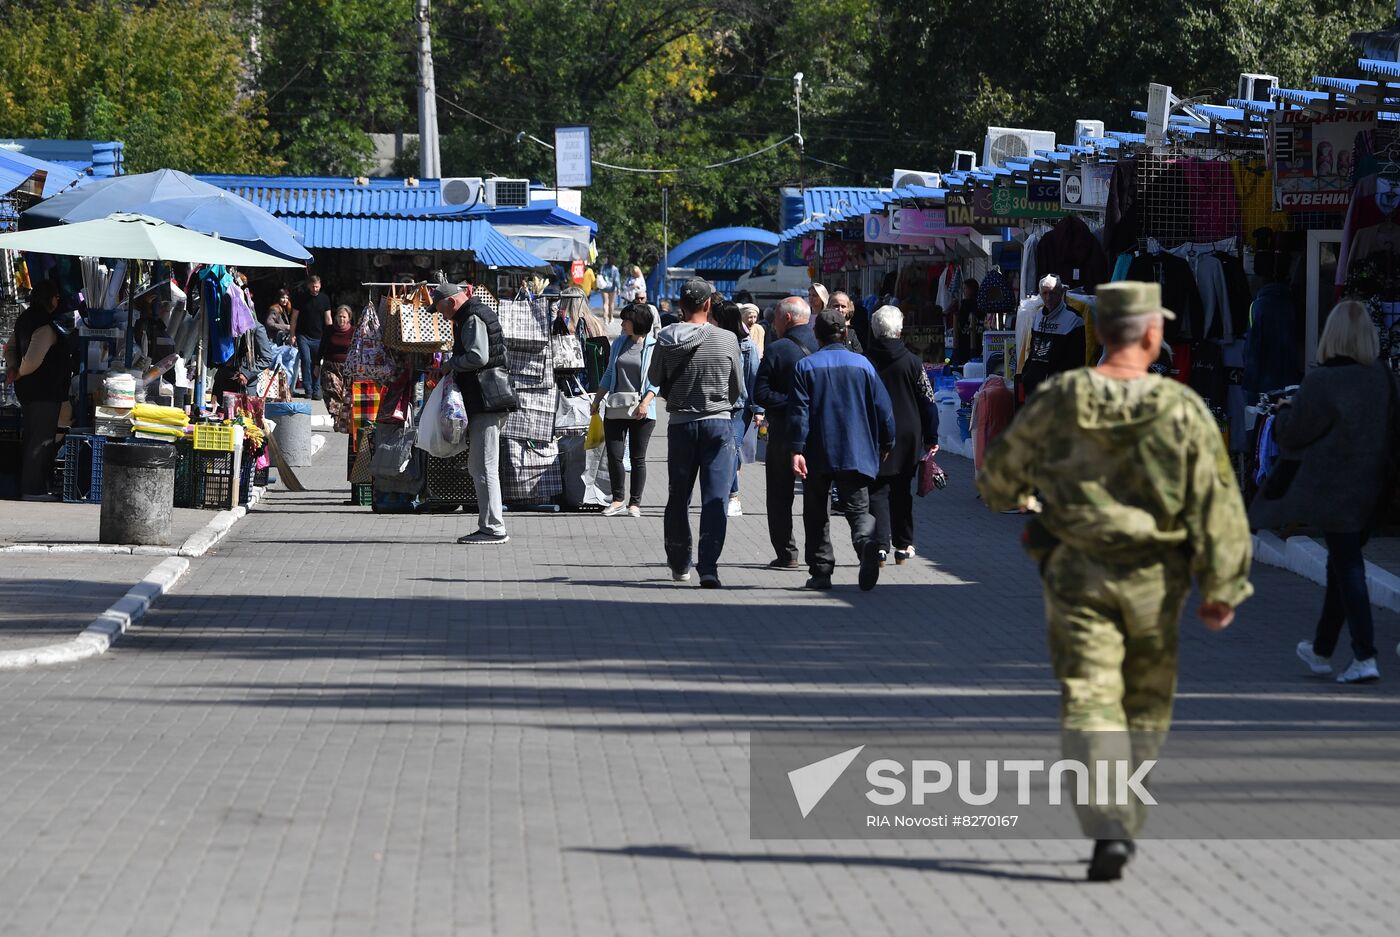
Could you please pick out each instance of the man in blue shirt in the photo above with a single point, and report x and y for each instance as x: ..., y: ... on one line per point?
x: 841, y: 425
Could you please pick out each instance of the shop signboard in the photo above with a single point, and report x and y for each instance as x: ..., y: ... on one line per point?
x: 836, y: 255
x: 912, y: 226
x: 573, y: 157
x: 1311, y: 158
x: 1085, y: 187
x: 974, y: 210
x: 1040, y: 198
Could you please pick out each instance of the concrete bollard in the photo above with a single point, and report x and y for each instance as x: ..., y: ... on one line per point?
x: 293, y: 432
x: 138, y: 493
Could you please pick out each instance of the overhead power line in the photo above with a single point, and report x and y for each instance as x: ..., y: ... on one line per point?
x: 525, y: 135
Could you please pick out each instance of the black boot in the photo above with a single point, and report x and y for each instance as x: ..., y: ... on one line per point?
x: 1110, y: 855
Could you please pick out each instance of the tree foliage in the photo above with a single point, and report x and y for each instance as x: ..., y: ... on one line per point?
x: 665, y: 84
x: 165, y: 78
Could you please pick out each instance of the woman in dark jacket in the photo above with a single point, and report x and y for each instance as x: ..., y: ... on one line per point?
x: 1335, y: 432
x: 40, y: 365
x: 916, y: 432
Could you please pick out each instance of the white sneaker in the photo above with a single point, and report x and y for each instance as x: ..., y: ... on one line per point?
x: 1318, y: 665
x: 634, y: 511
x: 1360, y: 671
x: 683, y: 576
x: 613, y: 510
x: 735, y: 508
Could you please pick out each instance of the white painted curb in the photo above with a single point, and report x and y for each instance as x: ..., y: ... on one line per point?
x: 107, y: 627
x: 1308, y: 558
x: 199, y: 542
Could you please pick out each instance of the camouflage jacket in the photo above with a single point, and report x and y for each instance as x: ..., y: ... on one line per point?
x: 1126, y: 469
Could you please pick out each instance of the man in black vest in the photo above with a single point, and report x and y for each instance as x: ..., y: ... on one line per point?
x: 771, y: 388
x: 479, y: 367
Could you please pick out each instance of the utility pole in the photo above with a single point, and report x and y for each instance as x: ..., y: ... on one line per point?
x: 665, y: 242
x: 429, y: 157
x: 801, y: 144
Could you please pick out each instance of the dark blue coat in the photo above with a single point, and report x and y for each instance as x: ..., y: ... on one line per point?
x: 839, y: 414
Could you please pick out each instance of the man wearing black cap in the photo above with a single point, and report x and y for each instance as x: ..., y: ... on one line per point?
x: 841, y: 425
x: 479, y: 368
x: 697, y: 367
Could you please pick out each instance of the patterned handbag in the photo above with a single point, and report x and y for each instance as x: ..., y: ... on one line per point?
x: 368, y: 359
x: 414, y: 325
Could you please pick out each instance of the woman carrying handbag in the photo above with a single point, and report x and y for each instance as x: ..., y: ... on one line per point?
x: 1335, y: 438
x: 628, y: 401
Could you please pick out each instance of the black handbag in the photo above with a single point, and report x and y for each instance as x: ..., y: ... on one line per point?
x: 497, y: 394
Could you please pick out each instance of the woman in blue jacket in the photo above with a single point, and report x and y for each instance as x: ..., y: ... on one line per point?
x: 628, y: 401
x: 730, y: 317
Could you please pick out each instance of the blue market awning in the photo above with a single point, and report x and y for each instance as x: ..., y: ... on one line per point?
x: 16, y: 169
x: 476, y: 237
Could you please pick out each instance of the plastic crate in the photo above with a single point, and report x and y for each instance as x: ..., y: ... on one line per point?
x: 245, y: 480
x: 450, y: 481
x: 82, y: 469
x: 260, y: 477
x: 184, y: 473
x: 211, y: 480
x: 211, y: 437
x: 362, y: 495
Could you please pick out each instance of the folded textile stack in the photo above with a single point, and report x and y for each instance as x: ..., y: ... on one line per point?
x: 151, y: 421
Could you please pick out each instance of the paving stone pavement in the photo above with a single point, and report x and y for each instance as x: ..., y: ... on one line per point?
x: 48, y: 598
x: 345, y: 723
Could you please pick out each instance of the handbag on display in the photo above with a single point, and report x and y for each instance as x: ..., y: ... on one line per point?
x: 360, y: 471
x: 567, y: 352
x: 368, y: 359
x: 571, y: 414
x: 396, y: 463
x: 622, y: 405
x: 415, y: 325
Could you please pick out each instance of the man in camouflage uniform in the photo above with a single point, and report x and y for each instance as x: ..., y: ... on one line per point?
x: 1138, y: 496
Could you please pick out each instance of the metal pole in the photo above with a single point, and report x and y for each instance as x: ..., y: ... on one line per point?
x: 429, y: 158
x: 801, y: 144
x: 666, y: 242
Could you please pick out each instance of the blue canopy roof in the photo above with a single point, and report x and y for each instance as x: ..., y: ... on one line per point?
x: 723, y: 254
x: 16, y: 169
x: 475, y: 236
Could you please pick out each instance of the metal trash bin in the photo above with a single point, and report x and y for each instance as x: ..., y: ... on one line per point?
x: 138, y: 493
x: 293, y: 432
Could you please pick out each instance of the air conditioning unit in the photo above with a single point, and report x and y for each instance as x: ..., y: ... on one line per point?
x: 908, y: 177
x: 1160, y: 101
x: 1256, y: 87
x: 508, y: 193
x: 1007, y: 143
x: 463, y: 190
x: 964, y: 161
x: 1084, y: 129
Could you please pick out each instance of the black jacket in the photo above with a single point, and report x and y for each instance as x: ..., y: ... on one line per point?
x: 911, y: 396
x: 774, y: 381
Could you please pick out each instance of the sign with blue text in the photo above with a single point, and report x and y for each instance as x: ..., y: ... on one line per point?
x: 573, y: 157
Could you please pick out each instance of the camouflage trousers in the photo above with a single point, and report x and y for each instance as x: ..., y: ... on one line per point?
x: 1113, y: 644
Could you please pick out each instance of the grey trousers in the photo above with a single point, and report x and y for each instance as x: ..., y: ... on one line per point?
x: 484, y: 460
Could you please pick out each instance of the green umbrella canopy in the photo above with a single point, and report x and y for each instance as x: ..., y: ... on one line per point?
x: 138, y: 237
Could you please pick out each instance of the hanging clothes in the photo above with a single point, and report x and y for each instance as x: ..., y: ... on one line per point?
x: 1122, y: 218
x: 1271, y: 353
x: 1215, y: 211
x: 1179, y: 292
x: 1030, y: 269
x: 1254, y: 191
x: 1071, y: 252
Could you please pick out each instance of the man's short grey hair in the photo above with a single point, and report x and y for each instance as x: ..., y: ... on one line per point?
x: 795, y: 307
x: 1128, y: 330
x: 888, y: 322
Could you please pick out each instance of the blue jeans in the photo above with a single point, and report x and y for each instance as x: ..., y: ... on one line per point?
x: 741, y: 426
x: 310, y: 350
x: 1347, y: 599
x: 703, y: 449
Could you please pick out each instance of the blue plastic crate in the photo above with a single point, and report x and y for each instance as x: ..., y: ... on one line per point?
x: 82, y: 469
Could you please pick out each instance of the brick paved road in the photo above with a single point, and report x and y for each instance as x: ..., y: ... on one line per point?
x: 343, y: 723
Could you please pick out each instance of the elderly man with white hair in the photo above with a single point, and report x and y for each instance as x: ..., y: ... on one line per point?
x: 915, y: 433
x: 1056, y: 340
x: 793, y: 340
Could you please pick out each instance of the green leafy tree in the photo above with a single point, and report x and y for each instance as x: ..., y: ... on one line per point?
x: 166, y: 78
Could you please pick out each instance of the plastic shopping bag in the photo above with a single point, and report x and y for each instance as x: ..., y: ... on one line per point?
x: 430, y: 436
x: 594, y: 439
x: 452, y: 412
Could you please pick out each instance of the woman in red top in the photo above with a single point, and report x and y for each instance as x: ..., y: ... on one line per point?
x: 335, y: 345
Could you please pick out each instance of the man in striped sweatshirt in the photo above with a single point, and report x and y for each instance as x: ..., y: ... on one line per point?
x: 697, y: 367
